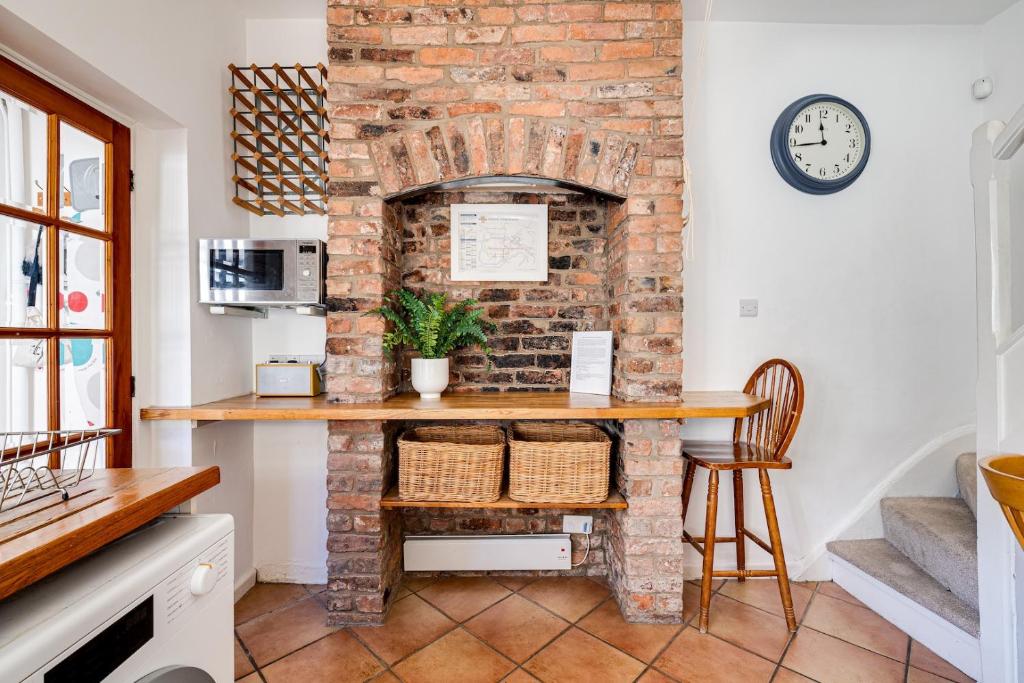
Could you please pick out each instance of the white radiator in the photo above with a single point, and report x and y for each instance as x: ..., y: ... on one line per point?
x: 455, y: 553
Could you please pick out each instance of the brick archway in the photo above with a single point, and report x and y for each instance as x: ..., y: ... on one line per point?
x: 578, y: 154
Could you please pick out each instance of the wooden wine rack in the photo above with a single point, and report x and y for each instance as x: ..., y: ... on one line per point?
x: 279, y: 128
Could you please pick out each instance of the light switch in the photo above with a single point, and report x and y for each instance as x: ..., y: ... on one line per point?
x: 748, y: 308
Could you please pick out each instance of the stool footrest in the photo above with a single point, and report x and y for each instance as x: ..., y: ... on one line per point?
x: 743, y: 573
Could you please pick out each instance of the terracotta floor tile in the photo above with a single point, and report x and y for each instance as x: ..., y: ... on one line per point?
x: 834, y: 590
x: 514, y: 583
x: 402, y: 592
x: 715, y: 584
x: 643, y: 641
x: 578, y: 657
x: 707, y: 659
x: 458, y: 657
x: 831, y: 660
x: 654, y: 676
x: 460, y: 597
x: 417, y: 583
x: 923, y: 658
x: 516, y: 627
x: 569, y: 597
x: 411, y: 624
x: 315, y: 587
x: 243, y: 666
x: 267, y: 597
x: 275, y: 634
x: 385, y: 677
x: 338, y: 658
x: 920, y: 676
x: 857, y: 625
x: 251, y: 678
x: 784, y: 675
x: 764, y: 594
x: 519, y: 676
x: 748, y: 627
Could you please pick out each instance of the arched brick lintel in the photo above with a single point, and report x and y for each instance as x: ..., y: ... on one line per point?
x: 574, y: 153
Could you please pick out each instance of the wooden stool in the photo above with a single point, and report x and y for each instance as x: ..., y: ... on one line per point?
x: 758, y: 442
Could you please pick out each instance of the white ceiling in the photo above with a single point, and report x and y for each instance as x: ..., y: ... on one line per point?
x: 849, y: 11
x: 285, y: 9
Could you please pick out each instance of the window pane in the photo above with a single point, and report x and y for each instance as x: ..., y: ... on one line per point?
x: 83, y: 383
x: 22, y: 280
x: 82, y: 274
x: 22, y: 154
x: 82, y: 175
x: 23, y: 404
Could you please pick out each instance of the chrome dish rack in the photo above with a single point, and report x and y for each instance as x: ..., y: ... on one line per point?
x: 25, y: 462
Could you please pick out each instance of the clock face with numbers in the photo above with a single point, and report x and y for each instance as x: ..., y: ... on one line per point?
x: 820, y: 144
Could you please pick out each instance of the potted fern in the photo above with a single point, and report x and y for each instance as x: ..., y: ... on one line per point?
x: 434, y: 330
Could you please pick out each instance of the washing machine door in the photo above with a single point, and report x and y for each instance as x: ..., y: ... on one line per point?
x: 177, y: 674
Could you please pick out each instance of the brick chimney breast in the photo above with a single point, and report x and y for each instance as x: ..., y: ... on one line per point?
x: 586, y: 94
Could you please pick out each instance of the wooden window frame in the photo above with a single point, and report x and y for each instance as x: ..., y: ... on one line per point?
x: 60, y: 107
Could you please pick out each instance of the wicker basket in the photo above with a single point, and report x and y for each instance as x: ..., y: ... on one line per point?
x: 557, y: 462
x: 451, y: 463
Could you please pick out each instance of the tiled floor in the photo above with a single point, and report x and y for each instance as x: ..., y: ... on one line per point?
x: 566, y: 630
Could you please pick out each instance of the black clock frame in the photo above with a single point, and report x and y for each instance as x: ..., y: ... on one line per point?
x: 788, y: 168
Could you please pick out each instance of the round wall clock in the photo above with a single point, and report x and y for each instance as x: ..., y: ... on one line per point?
x: 820, y: 144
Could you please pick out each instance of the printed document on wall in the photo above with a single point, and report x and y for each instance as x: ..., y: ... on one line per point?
x: 499, y: 242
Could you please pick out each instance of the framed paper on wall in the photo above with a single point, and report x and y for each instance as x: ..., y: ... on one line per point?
x: 499, y: 242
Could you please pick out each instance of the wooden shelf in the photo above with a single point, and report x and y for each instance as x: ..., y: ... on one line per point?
x: 469, y: 406
x: 615, y: 501
x: 40, y: 537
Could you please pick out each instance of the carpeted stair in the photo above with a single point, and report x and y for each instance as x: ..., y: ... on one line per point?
x: 929, y: 553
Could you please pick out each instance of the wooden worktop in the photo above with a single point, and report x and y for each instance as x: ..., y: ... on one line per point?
x: 38, y: 538
x: 469, y: 406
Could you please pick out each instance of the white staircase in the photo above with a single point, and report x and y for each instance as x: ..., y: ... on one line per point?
x: 923, y: 575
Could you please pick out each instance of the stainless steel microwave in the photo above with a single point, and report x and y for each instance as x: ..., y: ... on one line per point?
x: 262, y: 272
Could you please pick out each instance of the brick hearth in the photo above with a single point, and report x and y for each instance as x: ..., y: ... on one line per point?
x: 588, y: 94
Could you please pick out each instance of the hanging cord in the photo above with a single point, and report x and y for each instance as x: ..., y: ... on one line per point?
x: 689, y: 202
x: 585, y: 555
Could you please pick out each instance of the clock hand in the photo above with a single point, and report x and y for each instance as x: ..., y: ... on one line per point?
x: 821, y: 127
x: 810, y: 144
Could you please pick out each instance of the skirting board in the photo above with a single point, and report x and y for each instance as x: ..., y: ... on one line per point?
x: 956, y: 646
x: 244, y: 583
x: 293, y: 572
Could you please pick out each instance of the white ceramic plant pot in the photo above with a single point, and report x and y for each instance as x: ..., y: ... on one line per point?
x: 430, y: 376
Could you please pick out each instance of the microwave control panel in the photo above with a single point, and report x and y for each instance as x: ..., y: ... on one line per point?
x: 309, y: 274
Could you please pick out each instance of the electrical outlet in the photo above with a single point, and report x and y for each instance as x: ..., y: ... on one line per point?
x: 748, y: 308
x: 577, y: 524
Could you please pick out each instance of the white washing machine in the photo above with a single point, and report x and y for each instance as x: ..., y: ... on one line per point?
x: 155, y: 606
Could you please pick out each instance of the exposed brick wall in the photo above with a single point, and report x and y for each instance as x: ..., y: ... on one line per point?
x: 645, y: 549
x: 585, y: 92
x: 588, y: 93
x: 535, y: 319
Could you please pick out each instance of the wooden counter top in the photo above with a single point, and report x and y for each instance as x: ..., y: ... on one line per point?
x: 469, y: 406
x: 38, y: 538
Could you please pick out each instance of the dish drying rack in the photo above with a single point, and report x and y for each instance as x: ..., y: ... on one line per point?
x: 27, y: 470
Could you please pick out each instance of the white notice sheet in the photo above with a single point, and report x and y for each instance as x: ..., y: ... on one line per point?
x: 591, y: 369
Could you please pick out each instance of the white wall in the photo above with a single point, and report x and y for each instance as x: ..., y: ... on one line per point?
x: 869, y: 291
x: 1002, y: 58
x: 1001, y: 579
x: 164, y: 66
x: 290, y: 458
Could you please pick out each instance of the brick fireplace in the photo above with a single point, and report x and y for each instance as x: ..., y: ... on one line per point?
x: 426, y: 99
